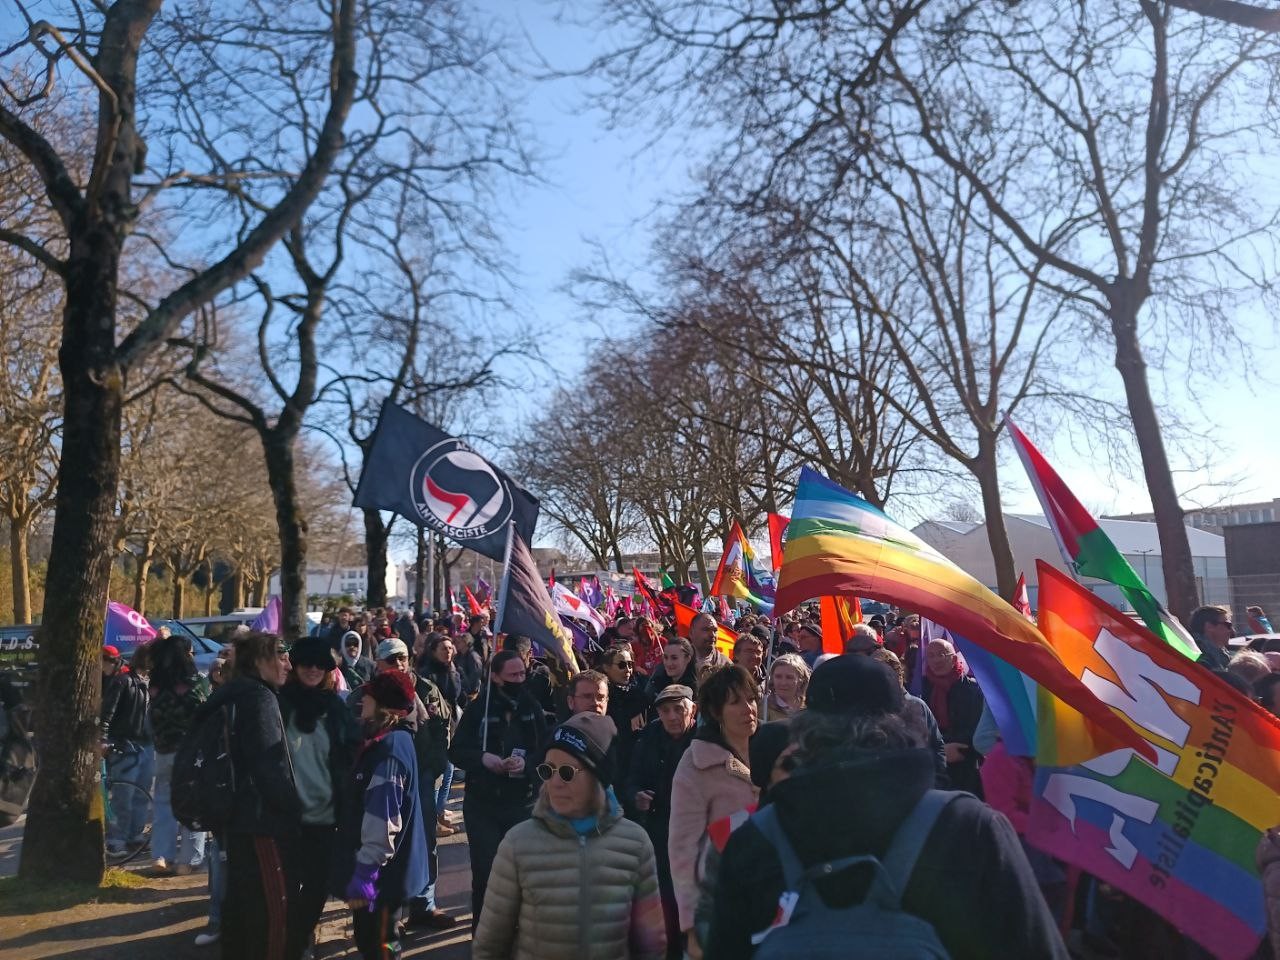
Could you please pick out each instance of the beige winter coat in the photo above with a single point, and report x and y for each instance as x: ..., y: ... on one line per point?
x: 710, y: 783
x: 555, y: 895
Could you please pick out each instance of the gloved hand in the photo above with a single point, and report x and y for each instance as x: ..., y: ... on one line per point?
x: 363, y: 884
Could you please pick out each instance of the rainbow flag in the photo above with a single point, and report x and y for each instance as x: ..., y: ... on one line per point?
x: 1178, y: 835
x: 1089, y: 552
x: 736, y: 576
x: 840, y: 545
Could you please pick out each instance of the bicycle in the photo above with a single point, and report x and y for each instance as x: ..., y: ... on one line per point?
x: 124, y: 795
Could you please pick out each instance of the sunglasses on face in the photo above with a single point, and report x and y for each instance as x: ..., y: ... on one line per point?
x: 1224, y: 623
x: 546, y: 771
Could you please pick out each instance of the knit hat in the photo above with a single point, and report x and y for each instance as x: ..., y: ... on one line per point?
x: 588, y: 736
x: 392, y: 648
x: 110, y: 652
x: 312, y: 652
x: 854, y: 686
x: 392, y: 689
x: 764, y: 748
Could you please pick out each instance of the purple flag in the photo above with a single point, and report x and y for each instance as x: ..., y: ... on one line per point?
x: 483, y: 590
x: 269, y: 619
x: 126, y: 628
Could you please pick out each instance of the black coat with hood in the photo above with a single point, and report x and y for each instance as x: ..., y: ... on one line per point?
x: 513, y: 724
x: 972, y: 881
x: 267, y: 801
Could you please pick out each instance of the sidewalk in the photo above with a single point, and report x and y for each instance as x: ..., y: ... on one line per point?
x: 159, y: 920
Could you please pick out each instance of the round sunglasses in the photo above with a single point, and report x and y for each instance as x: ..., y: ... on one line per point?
x: 546, y: 771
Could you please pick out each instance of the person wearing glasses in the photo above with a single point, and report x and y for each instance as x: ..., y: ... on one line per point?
x: 628, y: 702
x: 577, y: 879
x: 267, y: 806
x: 1211, y: 629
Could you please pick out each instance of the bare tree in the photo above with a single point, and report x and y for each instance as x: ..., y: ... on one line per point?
x: 97, y: 51
x: 1116, y: 120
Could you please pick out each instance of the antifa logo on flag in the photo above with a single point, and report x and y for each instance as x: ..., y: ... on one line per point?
x: 456, y: 492
x: 437, y: 481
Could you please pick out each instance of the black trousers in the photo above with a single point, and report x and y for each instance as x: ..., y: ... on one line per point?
x: 256, y: 908
x: 486, y: 826
x: 667, y: 893
x: 307, y: 859
x: 377, y: 931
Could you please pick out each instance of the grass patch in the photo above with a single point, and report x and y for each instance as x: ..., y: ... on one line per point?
x: 20, y: 897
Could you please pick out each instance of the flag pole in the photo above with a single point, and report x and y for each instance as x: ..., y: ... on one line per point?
x: 499, y: 610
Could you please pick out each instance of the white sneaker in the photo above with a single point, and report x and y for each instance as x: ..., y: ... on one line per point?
x: 206, y: 937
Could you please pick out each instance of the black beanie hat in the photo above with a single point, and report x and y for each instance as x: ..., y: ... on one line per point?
x: 766, y: 745
x: 312, y: 652
x: 854, y: 686
x: 588, y: 736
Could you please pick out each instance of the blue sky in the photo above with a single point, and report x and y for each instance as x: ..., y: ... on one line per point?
x: 604, y: 184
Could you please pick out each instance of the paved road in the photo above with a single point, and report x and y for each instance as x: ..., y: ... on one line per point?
x: 453, y: 895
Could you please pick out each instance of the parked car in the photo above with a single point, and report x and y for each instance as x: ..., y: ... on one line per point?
x: 219, y: 629
x: 203, y: 648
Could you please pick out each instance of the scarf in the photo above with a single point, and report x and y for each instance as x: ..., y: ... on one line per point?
x: 940, y: 688
x: 309, y: 704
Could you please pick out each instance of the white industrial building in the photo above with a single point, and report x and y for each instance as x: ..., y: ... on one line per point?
x: 1031, y: 539
x: 332, y: 580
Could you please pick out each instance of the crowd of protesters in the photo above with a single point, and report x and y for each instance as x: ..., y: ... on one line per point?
x: 654, y: 799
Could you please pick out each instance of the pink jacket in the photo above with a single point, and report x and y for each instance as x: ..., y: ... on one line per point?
x: 710, y: 783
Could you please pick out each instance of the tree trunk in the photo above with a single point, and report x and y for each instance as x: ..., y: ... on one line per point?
x: 375, y: 552
x: 18, y: 561
x: 420, y: 575
x: 63, y: 840
x: 292, y: 525
x: 1175, y: 548
x: 142, y: 570
x: 700, y: 559
x: 259, y: 592
x: 617, y: 555
x: 179, y: 594
x: 210, y: 588
x: 986, y: 469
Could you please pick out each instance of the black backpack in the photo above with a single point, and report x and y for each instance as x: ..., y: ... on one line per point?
x: 203, y: 790
x: 875, y: 928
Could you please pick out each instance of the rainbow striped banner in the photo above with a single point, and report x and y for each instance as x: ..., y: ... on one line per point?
x: 1179, y: 835
x: 840, y: 545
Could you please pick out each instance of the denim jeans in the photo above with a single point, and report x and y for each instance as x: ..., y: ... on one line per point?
x: 130, y: 763
x: 442, y: 795
x: 217, y: 860
x: 164, y: 831
x: 425, y: 902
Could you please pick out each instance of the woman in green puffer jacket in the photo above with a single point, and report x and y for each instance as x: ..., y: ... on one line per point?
x: 577, y: 881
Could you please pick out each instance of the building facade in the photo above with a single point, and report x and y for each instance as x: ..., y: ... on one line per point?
x: 1031, y: 539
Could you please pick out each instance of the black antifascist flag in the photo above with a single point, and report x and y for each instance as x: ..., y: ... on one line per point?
x: 438, y: 482
x: 525, y: 608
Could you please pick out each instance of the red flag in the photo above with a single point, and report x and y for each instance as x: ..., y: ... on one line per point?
x: 1021, y: 599
x: 684, y: 614
x: 472, y: 602
x: 643, y: 588
x: 838, y: 618
x: 777, y: 526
